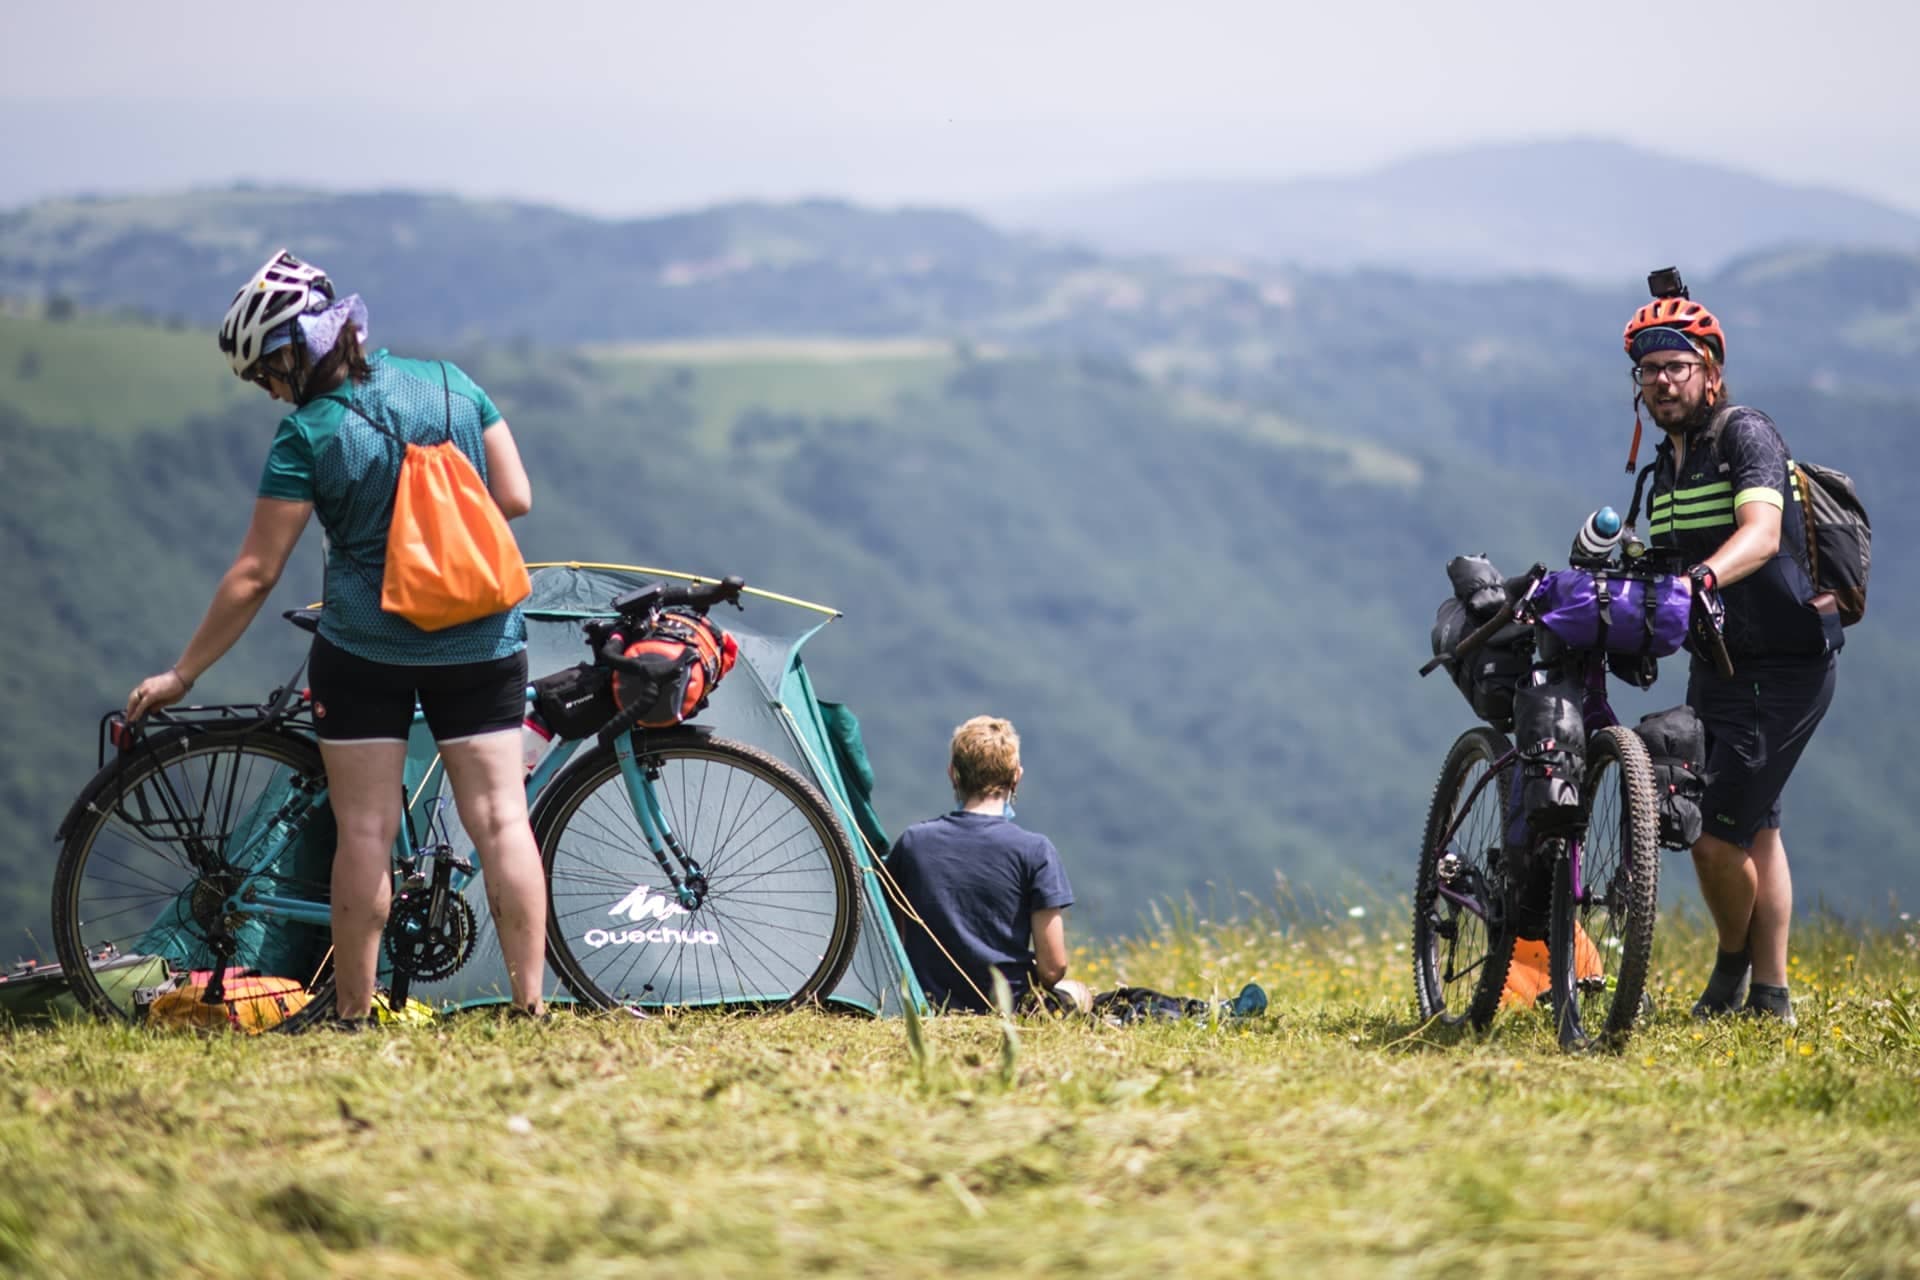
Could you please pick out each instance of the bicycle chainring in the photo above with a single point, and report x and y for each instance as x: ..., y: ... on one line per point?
x: 426, y: 955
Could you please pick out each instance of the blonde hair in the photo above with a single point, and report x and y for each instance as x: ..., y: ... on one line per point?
x: 986, y: 757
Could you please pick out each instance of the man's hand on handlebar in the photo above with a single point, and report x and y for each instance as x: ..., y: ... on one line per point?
x: 1707, y: 620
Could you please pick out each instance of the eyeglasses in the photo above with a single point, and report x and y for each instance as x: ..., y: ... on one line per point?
x: 1678, y: 372
x: 261, y: 371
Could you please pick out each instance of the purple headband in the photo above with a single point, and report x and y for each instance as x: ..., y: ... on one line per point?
x: 321, y: 330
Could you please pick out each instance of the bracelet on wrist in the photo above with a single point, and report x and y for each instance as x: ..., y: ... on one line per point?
x: 186, y: 685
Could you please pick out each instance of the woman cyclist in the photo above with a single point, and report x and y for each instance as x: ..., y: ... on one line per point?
x: 338, y: 453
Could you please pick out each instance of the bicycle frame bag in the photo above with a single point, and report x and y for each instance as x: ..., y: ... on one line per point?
x: 577, y: 702
x: 1592, y: 610
x: 673, y: 667
x: 450, y: 556
x: 1488, y: 676
x: 1677, y: 741
x: 1549, y: 728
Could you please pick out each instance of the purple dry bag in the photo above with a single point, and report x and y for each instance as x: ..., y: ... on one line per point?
x: 1591, y: 610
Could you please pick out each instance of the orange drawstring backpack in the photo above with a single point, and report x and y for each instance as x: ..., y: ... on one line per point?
x: 450, y: 556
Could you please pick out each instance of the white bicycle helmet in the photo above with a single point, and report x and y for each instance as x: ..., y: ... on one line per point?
x: 281, y: 290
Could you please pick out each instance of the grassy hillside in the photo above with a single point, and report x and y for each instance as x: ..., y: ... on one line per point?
x: 84, y: 371
x: 724, y: 381
x: 1333, y: 1137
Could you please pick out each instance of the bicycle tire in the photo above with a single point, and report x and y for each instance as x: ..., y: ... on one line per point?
x: 1460, y: 959
x: 1618, y: 899
x: 765, y: 937
x: 141, y: 860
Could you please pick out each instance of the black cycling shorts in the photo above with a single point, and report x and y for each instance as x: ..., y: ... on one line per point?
x: 356, y: 700
x: 1757, y: 725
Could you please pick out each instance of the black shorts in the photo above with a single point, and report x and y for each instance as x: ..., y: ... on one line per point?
x: 355, y: 700
x: 1757, y: 725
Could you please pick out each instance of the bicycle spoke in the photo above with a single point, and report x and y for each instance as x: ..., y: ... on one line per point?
x: 772, y: 907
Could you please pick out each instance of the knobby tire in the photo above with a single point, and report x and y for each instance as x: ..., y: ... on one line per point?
x: 1618, y: 899
x: 1460, y: 960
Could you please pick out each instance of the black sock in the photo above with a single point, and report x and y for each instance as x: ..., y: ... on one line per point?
x: 1769, y: 999
x: 1730, y: 969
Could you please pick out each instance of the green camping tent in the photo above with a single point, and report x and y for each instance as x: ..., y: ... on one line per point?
x: 769, y: 702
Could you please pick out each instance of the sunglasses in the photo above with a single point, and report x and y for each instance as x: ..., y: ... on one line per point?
x: 262, y: 371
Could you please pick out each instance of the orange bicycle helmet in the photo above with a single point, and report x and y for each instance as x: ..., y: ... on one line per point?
x: 1669, y: 324
x: 1677, y: 315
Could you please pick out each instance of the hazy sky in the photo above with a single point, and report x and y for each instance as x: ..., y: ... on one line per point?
x: 638, y: 107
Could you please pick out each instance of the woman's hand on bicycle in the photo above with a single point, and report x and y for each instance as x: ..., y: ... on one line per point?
x: 157, y: 692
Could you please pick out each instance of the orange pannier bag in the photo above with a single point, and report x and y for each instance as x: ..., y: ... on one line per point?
x: 450, y: 556
x: 1528, y: 977
x: 254, y: 1002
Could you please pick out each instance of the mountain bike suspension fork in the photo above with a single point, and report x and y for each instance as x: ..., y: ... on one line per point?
x: 689, y: 881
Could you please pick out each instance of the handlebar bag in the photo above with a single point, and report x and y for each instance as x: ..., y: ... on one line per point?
x: 1596, y: 610
x: 673, y: 667
x: 1488, y: 676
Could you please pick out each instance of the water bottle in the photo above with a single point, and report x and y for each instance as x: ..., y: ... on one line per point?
x: 536, y: 741
x: 1597, y: 537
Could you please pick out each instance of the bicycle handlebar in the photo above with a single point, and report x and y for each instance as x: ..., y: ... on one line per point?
x: 658, y: 595
x: 609, y: 642
x: 1700, y: 625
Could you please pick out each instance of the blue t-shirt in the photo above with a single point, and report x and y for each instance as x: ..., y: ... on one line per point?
x: 330, y: 453
x: 976, y: 879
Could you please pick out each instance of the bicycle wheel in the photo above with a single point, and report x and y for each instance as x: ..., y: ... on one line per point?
x: 1601, y: 938
x: 781, y: 913
x: 1462, y: 944
x: 146, y: 866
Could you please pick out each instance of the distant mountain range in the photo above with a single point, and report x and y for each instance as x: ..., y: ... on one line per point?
x: 437, y: 269
x: 1584, y: 209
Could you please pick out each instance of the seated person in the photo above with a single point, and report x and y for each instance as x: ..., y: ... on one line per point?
x: 992, y: 894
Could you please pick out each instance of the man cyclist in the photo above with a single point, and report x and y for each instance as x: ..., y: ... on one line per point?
x: 1726, y: 504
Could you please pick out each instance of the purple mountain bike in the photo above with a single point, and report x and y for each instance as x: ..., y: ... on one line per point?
x: 1583, y: 875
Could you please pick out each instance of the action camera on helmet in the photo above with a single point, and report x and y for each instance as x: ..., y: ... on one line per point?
x: 1665, y: 283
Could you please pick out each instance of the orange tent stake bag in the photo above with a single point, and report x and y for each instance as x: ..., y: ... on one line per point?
x: 450, y: 556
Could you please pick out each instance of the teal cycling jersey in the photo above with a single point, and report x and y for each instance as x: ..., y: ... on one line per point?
x: 330, y: 453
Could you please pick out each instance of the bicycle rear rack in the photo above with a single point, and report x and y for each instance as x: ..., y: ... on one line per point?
x: 284, y: 707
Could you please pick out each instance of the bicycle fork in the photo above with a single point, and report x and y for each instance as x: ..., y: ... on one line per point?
x: 689, y: 881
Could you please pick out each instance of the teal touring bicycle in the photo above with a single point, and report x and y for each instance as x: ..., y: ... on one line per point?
x: 683, y: 869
